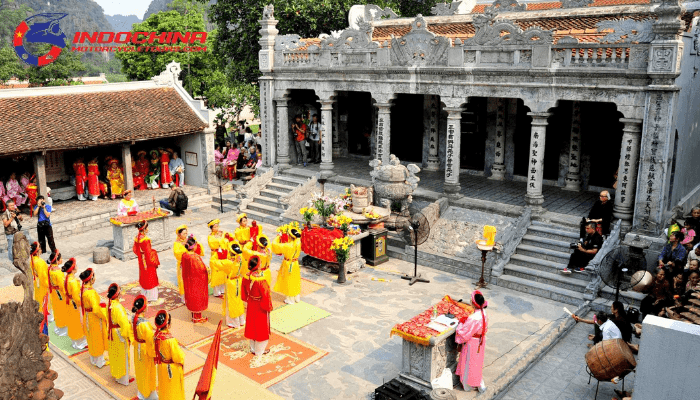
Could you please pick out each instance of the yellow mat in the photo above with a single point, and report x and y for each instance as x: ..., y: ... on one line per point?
x: 294, y: 316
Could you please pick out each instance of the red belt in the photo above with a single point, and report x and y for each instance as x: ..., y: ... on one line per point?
x: 255, y: 298
x: 292, y: 260
x: 88, y: 309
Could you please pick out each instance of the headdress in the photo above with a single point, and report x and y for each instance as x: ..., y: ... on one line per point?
x: 483, y: 317
x: 87, y: 278
x: 154, y: 152
x: 142, y: 152
x: 213, y: 222
x: 163, y: 324
x: 192, y: 246
x: 240, y: 217
x: 116, y: 293
x: 144, y: 304
x: 257, y: 265
x: 113, y: 162
x: 127, y: 192
x: 35, y: 248
x: 142, y: 225
x: 71, y: 267
x: 180, y: 228
x: 231, y: 249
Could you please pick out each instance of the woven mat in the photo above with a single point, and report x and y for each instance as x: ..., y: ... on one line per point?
x: 63, y: 343
x: 307, y: 287
x: 287, y: 355
x: 193, y: 363
x: 294, y: 316
x: 168, y: 297
x: 229, y: 384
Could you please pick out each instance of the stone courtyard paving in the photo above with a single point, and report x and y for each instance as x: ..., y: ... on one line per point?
x: 361, y: 354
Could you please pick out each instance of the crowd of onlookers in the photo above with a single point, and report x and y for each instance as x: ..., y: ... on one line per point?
x: 237, y: 150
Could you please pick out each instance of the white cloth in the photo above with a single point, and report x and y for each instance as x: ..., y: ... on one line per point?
x: 61, y: 331
x: 258, y: 347
x: 99, y: 362
x: 610, y: 331
x: 151, y: 294
x: 80, y: 343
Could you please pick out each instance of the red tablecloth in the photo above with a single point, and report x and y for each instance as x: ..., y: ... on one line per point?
x: 416, y: 329
x: 144, y: 215
x: 316, y: 242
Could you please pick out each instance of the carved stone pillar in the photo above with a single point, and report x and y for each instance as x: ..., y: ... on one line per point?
x: 383, y: 132
x: 573, y: 177
x: 268, y: 33
x: 534, y: 196
x: 126, y: 162
x: 283, y: 133
x: 432, y: 109
x: 267, y: 120
x: 336, y: 131
x: 498, y: 170
x: 40, y: 171
x: 627, y: 172
x: 326, y: 135
x: 454, y: 139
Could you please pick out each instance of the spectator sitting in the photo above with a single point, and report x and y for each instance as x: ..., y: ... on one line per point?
x: 693, y: 266
x: 252, y: 151
x: 601, y: 213
x: 693, y: 281
x: 242, y: 158
x: 176, y: 202
x: 218, y: 157
x: 177, y: 169
x: 694, y: 217
x: 689, y: 232
x: 658, y: 297
x: 618, y: 318
x: 11, y: 221
x: 127, y: 206
x: 673, y: 254
x: 585, y: 251
x: 677, y: 286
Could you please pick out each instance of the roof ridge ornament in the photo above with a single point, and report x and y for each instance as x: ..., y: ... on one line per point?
x: 353, y: 38
x: 627, y: 30
x: 489, y: 32
x: 368, y: 13
x: 444, y: 9
x: 268, y: 12
x: 169, y: 76
x: 419, y: 46
x: 506, y: 6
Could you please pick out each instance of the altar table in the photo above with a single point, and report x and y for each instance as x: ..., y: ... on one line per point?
x: 124, y: 232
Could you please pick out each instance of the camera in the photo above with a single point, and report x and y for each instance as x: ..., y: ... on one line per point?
x: 41, y: 203
x: 573, y: 245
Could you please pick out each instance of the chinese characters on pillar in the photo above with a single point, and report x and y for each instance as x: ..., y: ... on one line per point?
x: 535, y: 148
x: 324, y: 134
x: 653, y: 158
x: 380, y: 137
x: 433, y: 126
x: 450, y: 150
x: 575, y: 145
x: 500, y: 126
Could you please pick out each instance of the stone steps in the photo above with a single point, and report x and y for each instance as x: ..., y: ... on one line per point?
x: 541, y: 289
x: 544, y: 254
x: 273, y: 194
x: 553, y: 279
x: 267, y: 207
x: 280, y: 187
x: 547, y: 243
x: 539, y: 264
x: 546, y: 231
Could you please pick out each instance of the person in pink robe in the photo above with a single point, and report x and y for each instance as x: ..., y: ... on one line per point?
x: 471, y: 334
x: 14, y: 190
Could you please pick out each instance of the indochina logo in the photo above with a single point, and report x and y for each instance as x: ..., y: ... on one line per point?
x: 40, y: 32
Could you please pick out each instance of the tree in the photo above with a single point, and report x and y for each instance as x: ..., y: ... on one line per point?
x: 9, y: 64
x: 11, y: 14
x: 231, y: 97
x: 145, y: 65
x: 68, y: 65
x: 238, y: 26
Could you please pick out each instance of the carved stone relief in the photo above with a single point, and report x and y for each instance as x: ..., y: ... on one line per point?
x: 369, y: 12
x: 639, y: 58
x: 490, y: 32
x: 525, y: 56
x: 444, y: 9
x: 268, y: 12
x: 663, y: 59
x: 352, y: 38
x: 627, y: 30
x: 287, y: 42
x: 470, y: 57
x: 419, y: 46
x: 505, y: 6
x: 567, y: 40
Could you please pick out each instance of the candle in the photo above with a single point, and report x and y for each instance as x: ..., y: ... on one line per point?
x: 490, y: 234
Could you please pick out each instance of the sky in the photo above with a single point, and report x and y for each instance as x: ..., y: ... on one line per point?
x: 124, y: 7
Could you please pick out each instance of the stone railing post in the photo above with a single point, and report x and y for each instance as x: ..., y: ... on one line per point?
x: 268, y: 33
x: 534, y: 196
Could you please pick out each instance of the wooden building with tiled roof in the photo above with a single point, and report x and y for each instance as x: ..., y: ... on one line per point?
x: 581, y: 94
x: 51, y: 127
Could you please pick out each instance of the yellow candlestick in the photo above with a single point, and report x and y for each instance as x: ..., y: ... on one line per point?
x: 490, y: 234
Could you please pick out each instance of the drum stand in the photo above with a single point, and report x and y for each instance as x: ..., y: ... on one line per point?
x: 597, y: 386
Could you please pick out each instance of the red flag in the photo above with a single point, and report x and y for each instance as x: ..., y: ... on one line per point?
x: 206, y: 379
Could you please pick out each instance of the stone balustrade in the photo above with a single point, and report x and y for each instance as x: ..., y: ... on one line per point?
x: 581, y: 55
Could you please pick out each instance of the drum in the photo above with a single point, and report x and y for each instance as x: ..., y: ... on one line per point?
x: 641, y: 281
x: 609, y: 359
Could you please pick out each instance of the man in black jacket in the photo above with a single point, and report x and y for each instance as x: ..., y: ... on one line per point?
x: 601, y: 213
x: 585, y: 251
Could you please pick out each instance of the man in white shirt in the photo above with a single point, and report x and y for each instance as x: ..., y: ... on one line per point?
x: 607, y: 327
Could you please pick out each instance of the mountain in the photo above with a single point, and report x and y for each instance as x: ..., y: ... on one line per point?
x: 155, y: 7
x: 123, y: 23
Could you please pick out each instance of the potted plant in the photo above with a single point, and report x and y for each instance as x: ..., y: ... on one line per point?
x: 341, y: 247
x: 341, y: 222
x: 327, y: 206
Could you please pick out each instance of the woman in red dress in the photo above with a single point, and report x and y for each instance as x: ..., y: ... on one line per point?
x: 148, y: 263
x: 165, y: 179
x: 256, y: 292
x: 195, y: 277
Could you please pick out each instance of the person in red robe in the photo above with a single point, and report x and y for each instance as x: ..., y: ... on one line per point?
x: 165, y: 179
x: 148, y: 263
x: 93, y: 179
x: 80, y: 178
x: 140, y: 171
x: 256, y: 292
x: 195, y: 277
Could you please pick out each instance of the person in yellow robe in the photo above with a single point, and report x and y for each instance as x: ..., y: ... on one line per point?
x: 94, y: 319
x: 170, y: 360
x: 178, y: 250
x: 116, y: 178
x: 41, y: 278
x: 71, y: 287
x: 243, y: 231
x: 233, y: 307
x: 144, y: 351
x: 260, y: 248
x: 58, y: 302
x: 289, y: 276
x: 218, y: 240
x: 119, y: 336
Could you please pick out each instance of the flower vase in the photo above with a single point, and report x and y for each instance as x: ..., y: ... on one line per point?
x: 308, y: 225
x: 341, y: 273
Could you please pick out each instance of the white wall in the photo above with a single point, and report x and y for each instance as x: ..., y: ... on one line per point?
x: 668, y: 366
x: 194, y: 175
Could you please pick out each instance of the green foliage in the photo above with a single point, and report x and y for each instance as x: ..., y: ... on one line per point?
x: 11, y: 14
x: 114, y: 78
x: 230, y: 96
x: 66, y: 66
x: 9, y: 64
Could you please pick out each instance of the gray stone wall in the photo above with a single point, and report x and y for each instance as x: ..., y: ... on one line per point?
x: 687, y: 122
x: 511, y: 122
x: 491, y: 107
